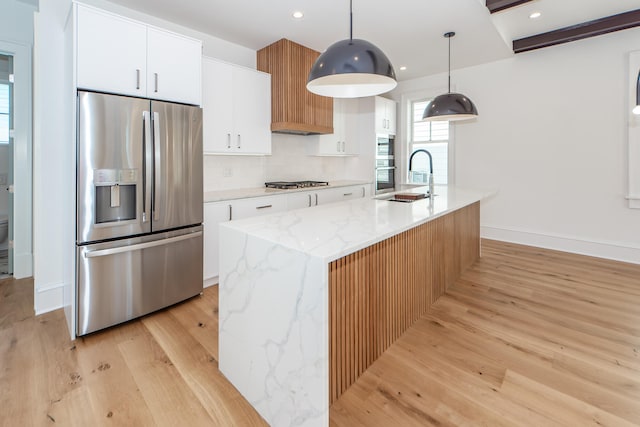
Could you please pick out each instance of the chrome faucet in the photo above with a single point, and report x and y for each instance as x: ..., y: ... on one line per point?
x: 430, y: 167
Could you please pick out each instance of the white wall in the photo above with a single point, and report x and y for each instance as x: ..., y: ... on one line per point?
x: 16, y: 39
x: 53, y: 160
x: 289, y: 161
x: 552, y: 139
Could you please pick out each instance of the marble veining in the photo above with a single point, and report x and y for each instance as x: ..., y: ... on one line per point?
x: 273, y: 315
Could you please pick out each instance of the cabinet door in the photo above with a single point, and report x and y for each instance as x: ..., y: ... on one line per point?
x: 381, y: 115
x: 331, y: 144
x: 391, y: 116
x: 303, y: 199
x: 350, y: 123
x: 257, y: 206
x: 214, y: 214
x: 351, y: 192
x: 385, y: 115
x: 173, y: 67
x: 217, y: 115
x: 111, y: 53
x: 251, y: 111
x: 344, y: 139
x: 340, y: 194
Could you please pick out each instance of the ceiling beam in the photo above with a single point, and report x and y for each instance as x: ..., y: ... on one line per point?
x: 587, y: 29
x: 498, y: 5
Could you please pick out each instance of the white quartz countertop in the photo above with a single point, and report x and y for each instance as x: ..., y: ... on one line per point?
x: 243, y: 193
x: 334, y: 230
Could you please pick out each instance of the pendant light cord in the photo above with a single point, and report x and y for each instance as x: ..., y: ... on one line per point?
x: 350, y: 19
x: 449, y: 90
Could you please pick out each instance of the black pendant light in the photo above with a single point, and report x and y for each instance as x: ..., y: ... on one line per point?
x: 351, y: 68
x: 450, y: 106
x: 636, y: 109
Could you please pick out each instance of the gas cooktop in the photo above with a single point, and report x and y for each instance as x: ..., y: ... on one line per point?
x: 285, y: 185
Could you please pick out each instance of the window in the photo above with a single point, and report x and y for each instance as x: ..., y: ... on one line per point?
x: 430, y: 136
x: 4, y: 113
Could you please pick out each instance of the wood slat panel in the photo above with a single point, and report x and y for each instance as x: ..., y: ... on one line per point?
x: 498, y: 5
x: 379, y: 292
x: 293, y: 108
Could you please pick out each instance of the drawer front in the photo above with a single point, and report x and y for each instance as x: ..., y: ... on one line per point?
x: 258, y: 206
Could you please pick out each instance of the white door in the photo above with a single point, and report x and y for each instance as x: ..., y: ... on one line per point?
x: 173, y: 67
x: 251, y: 111
x: 6, y: 162
x: 217, y: 99
x: 214, y: 214
x: 111, y: 53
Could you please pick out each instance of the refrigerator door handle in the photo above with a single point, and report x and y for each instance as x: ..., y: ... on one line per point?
x: 139, y: 246
x: 146, y: 129
x: 156, y: 163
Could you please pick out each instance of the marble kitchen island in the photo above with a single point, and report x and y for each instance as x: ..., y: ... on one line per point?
x: 310, y: 298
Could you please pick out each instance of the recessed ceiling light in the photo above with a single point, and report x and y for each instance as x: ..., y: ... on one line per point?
x: 535, y: 15
x: 403, y: 68
x: 297, y: 14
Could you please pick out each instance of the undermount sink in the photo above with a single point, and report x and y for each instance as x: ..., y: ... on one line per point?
x: 393, y: 198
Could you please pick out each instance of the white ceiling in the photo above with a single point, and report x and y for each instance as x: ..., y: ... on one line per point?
x: 408, y: 31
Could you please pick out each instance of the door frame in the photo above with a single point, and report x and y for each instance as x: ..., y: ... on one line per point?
x: 22, y: 157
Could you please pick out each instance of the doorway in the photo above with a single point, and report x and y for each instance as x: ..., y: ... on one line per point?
x: 6, y: 165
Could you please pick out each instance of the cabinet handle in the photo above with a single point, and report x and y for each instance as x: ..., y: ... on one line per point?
x: 137, y: 79
x: 347, y: 194
x: 230, y: 212
x: 228, y: 140
x: 264, y: 207
x: 156, y: 79
x: 238, y: 140
x: 316, y: 199
x: 362, y: 191
x: 343, y: 149
x: 309, y: 199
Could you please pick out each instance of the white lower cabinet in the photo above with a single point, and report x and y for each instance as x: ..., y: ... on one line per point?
x: 257, y: 206
x: 216, y: 213
x: 305, y: 199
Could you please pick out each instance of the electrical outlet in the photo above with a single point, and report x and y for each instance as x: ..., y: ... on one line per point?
x: 227, y: 172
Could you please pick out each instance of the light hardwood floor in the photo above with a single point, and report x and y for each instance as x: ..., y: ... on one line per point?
x: 525, y: 337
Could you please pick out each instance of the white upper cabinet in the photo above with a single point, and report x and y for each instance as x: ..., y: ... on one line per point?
x: 236, y: 104
x: 111, y: 53
x: 122, y: 56
x: 344, y: 139
x: 385, y: 115
x: 174, y: 66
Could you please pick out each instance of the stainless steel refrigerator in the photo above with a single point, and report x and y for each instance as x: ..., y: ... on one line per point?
x: 139, y: 207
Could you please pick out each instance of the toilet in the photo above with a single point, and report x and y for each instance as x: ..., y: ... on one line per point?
x: 4, y: 232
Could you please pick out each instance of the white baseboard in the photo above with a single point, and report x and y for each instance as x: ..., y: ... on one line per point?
x: 609, y: 250
x: 48, y: 298
x: 22, y: 265
x: 210, y: 281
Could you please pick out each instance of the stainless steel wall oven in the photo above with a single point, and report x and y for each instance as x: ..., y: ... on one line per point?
x: 385, y: 164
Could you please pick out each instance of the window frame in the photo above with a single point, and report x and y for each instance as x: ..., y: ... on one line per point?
x: 8, y: 113
x: 407, y: 133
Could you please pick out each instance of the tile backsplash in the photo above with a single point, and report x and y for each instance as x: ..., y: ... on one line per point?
x: 289, y: 161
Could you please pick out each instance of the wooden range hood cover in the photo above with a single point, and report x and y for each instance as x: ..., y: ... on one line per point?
x: 294, y: 109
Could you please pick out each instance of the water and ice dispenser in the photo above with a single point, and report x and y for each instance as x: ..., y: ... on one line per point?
x: 115, y: 193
